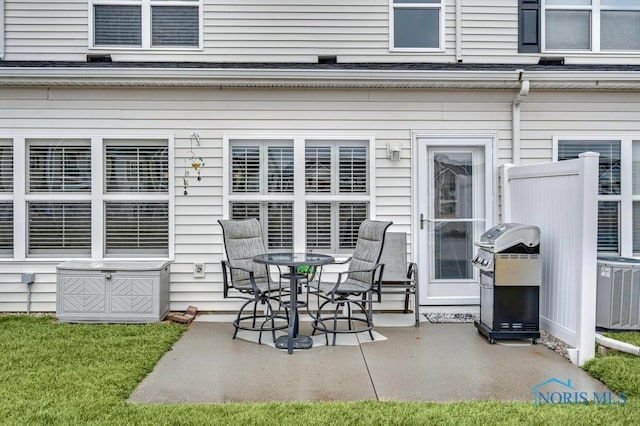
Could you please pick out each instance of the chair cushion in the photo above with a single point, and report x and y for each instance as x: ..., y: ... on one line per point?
x: 243, y: 240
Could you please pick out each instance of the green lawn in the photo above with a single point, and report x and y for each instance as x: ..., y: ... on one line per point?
x: 63, y: 374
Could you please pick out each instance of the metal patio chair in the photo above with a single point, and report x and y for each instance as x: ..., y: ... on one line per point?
x: 242, y: 241
x: 400, y: 276
x: 353, y: 289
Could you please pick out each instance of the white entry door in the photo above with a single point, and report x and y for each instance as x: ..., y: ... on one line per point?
x: 454, y: 209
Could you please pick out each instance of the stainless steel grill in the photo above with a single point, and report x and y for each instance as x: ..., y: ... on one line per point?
x: 510, y: 276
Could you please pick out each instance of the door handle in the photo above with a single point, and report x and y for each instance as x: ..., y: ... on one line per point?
x: 422, y: 219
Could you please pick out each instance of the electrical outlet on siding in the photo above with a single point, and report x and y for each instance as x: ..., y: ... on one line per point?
x: 198, y: 270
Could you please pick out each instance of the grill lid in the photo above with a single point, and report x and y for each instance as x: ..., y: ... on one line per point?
x: 507, y: 235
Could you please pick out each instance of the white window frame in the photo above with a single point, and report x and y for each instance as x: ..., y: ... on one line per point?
x: 626, y: 197
x: 146, y: 24
x: 97, y: 196
x: 441, y: 36
x: 595, y: 8
x: 299, y: 196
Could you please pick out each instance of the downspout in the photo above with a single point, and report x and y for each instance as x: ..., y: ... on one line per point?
x: 617, y: 345
x: 515, y: 117
x: 1, y: 30
x: 458, y: 31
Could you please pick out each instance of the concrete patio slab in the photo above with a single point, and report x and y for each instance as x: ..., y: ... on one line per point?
x: 435, y: 362
x: 206, y: 366
x: 452, y: 362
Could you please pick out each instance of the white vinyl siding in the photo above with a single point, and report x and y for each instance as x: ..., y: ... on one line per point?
x: 273, y: 31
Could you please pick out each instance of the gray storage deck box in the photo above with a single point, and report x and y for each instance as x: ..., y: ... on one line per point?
x: 111, y: 291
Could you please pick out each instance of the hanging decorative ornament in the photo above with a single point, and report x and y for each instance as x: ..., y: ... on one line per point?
x: 195, y: 162
x: 185, y: 183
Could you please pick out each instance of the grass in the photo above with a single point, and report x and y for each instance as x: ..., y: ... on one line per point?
x: 63, y: 374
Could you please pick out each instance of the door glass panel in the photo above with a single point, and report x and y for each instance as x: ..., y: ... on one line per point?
x: 453, y: 250
x: 453, y: 195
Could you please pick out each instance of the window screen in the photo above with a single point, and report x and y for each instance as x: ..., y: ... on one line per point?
x: 351, y: 215
x: 117, y: 25
x: 175, y: 26
x: 137, y: 228
x: 278, y: 217
x: 416, y: 24
x: 59, y: 167
x: 6, y: 168
x: 6, y: 229
x: 353, y: 169
x: 59, y: 228
x: 136, y: 169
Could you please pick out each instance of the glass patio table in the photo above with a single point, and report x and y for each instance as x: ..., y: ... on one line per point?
x: 293, y: 340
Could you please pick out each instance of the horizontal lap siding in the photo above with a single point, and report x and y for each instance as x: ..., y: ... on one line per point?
x: 46, y: 29
x: 389, y: 115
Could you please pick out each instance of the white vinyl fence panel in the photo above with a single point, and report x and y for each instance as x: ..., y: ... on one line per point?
x: 561, y: 199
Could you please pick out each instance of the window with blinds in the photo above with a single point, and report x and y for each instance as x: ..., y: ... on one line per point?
x: 280, y: 169
x: 146, y: 23
x: 350, y: 216
x: 137, y: 228
x: 175, y: 26
x: 59, y: 228
x: 6, y: 204
x: 353, y: 169
x: 59, y: 167
x: 132, y: 227
x: 335, y: 190
x: 276, y: 219
x: 340, y: 168
x: 334, y: 225
x: 6, y: 229
x: 609, y: 184
x: 6, y: 167
x: 318, y: 174
x: 319, y: 225
x: 136, y: 168
x: 262, y: 168
x: 117, y: 25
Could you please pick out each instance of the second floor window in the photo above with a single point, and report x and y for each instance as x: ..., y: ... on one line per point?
x: 592, y: 25
x: 146, y: 23
x: 416, y: 24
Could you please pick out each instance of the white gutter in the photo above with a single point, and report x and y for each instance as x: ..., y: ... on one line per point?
x: 449, y: 78
x: 256, y: 77
x: 515, y: 118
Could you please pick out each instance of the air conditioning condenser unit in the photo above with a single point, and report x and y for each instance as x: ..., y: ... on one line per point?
x: 618, y: 294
